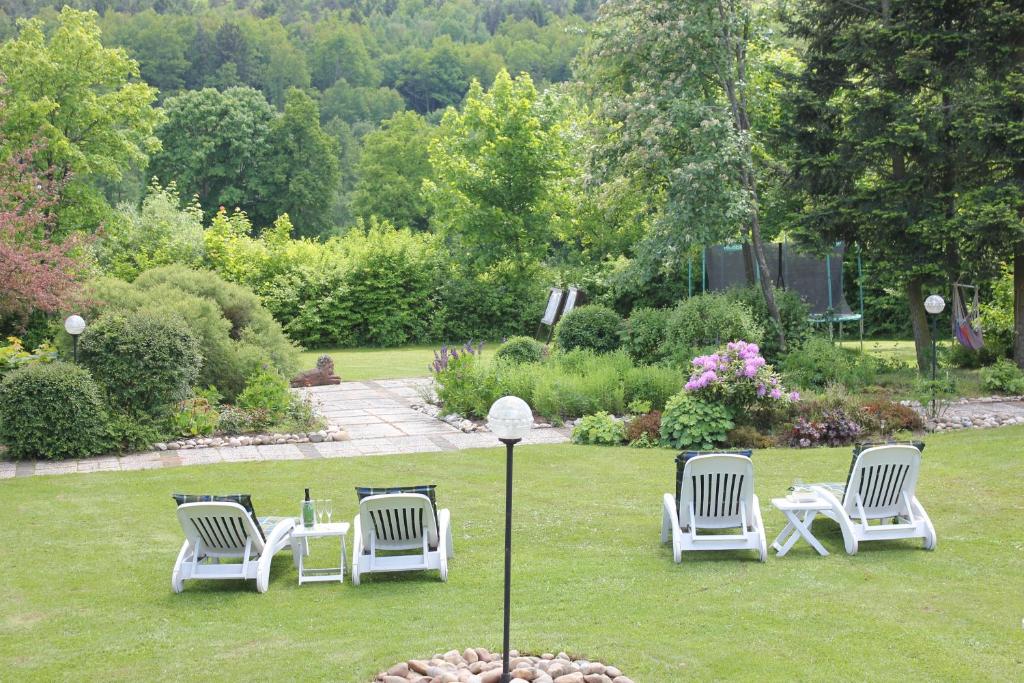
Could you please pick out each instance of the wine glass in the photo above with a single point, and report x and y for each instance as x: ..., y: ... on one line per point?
x: 329, y: 509
x: 320, y: 510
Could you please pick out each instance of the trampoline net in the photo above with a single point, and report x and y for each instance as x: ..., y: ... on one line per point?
x: 818, y: 280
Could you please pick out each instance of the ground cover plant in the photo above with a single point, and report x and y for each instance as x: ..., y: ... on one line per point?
x: 566, y: 574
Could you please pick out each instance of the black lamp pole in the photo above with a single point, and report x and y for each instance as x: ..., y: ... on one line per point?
x: 74, y: 347
x: 509, y: 443
x: 934, y: 358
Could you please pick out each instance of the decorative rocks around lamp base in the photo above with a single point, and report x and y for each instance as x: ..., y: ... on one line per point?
x: 478, y: 665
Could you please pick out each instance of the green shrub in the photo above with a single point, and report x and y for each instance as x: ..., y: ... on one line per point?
x: 645, y: 333
x: 591, y: 327
x: 52, y: 411
x: 521, y: 350
x: 502, y: 301
x: 468, y: 386
x: 143, y: 360
x: 197, y: 416
x: 560, y: 395
x: 884, y: 417
x: 820, y: 363
x: 644, y: 430
x: 691, y: 424
x: 266, y: 390
x: 708, y: 320
x: 237, y: 335
x: 515, y: 379
x: 1004, y: 377
x: 134, y: 431
x: 654, y: 384
x: 234, y: 420
x: 600, y: 429
x: 747, y: 436
x: 795, y: 315
x: 13, y: 355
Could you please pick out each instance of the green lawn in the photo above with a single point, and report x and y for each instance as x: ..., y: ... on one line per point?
x: 86, y: 589
x: 369, y: 363
x: 380, y: 363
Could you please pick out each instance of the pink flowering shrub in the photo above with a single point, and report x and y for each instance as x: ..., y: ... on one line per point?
x: 738, y: 377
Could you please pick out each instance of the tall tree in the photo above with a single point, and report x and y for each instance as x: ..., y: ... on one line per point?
x: 674, y: 80
x: 213, y: 146
x: 299, y: 172
x: 393, y: 164
x: 80, y: 99
x: 498, y: 167
x: 900, y: 141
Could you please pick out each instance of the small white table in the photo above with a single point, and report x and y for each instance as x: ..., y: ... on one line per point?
x: 800, y: 514
x: 301, y: 536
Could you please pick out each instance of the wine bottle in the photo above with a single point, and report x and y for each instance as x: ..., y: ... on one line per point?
x: 308, y: 512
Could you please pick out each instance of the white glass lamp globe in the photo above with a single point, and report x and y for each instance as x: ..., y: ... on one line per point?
x: 934, y: 304
x: 74, y: 325
x: 510, y: 418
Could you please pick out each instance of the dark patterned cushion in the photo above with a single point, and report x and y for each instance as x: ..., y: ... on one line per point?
x: 427, y: 490
x: 859, y: 448
x: 243, y: 499
x: 686, y: 455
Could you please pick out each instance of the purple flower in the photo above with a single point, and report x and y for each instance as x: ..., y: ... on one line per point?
x: 794, y: 396
x: 761, y: 390
x: 775, y: 393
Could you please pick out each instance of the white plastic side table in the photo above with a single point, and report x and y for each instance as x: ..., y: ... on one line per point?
x: 800, y: 514
x: 301, y: 536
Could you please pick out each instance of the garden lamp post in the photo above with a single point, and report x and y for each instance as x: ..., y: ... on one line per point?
x: 934, y: 305
x: 510, y: 418
x: 74, y: 325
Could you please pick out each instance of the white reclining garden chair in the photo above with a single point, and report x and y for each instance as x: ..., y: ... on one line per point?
x: 881, y: 487
x: 393, y: 522
x: 222, y: 541
x: 716, y: 492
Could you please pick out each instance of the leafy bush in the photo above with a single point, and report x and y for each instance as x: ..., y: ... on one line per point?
x: 646, y: 427
x: 709, y: 320
x: 599, y: 429
x: 237, y: 335
x: 564, y: 395
x: 747, y: 436
x: 653, y: 384
x: 504, y: 300
x: 447, y: 354
x: 820, y: 363
x: 738, y: 377
x: 693, y: 424
x: 267, y: 390
x: 197, y: 416
x: 935, y: 395
x: 234, y: 420
x: 52, y: 411
x: 468, y: 386
x: 157, y: 234
x: 1004, y: 377
x: 134, y: 430
x: 881, y: 416
x: 591, y: 327
x: 835, y: 428
x: 794, y: 312
x: 644, y: 334
x: 144, y: 361
x: 521, y: 350
x: 13, y: 355
x: 638, y: 407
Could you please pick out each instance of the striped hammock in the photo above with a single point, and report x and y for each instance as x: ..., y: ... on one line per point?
x: 966, y: 323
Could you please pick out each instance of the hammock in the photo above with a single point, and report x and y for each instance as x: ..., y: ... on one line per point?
x: 966, y: 326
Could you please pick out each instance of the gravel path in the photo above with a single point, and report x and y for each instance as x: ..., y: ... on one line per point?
x: 376, y: 414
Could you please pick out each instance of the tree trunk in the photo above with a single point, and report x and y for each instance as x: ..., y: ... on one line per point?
x: 748, y: 262
x: 1018, y: 305
x: 766, y: 277
x: 919, y: 321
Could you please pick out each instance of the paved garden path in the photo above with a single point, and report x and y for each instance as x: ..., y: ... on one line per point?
x: 376, y: 414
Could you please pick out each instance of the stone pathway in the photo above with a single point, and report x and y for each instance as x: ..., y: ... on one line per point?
x: 992, y: 411
x: 376, y: 414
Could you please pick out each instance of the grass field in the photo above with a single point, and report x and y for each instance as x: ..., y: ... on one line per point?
x: 86, y: 589
x: 370, y: 363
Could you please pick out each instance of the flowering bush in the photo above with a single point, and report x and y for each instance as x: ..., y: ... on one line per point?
x: 738, y: 377
x: 446, y: 354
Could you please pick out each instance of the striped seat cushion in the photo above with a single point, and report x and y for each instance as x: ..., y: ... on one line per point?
x: 426, y: 489
x: 243, y: 499
x: 686, y: 455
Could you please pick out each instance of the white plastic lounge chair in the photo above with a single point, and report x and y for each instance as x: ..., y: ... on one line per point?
x: 717, y: 492
x: 393, y: 522
x: 216, y: 531
x: 881, y: 487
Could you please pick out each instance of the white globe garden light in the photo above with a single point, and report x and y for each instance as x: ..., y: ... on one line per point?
x: 935, y: 304
x: 74, y: 325
x: 510, y: 418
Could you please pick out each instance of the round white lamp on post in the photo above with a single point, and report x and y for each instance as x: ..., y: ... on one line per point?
x: 74, y: 325
x: 934, y: 305
x: 510, y: 418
